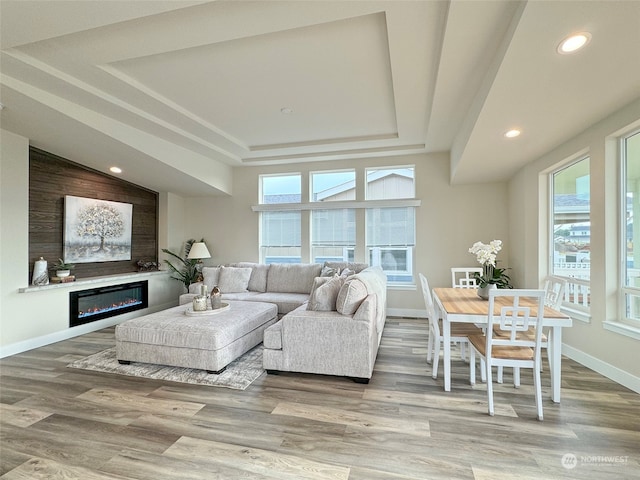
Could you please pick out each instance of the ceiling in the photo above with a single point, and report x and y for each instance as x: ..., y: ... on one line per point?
x: 177, y: 93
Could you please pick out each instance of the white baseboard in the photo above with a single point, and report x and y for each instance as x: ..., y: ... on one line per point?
x: 68, y: 333
x: 613, y: 373
x: 406, y: 312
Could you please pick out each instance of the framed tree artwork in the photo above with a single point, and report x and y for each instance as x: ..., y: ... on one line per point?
x: 96, y: 230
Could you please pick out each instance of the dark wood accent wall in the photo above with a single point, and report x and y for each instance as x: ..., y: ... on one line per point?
x: 51, y: 178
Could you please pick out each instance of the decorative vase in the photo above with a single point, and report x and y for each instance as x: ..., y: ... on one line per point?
x: 216, y: 298
x: 483, y: 292
x: 40, y: 275
x: 199, y: 303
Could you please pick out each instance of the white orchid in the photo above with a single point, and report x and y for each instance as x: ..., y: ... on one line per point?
x: 486, y: 254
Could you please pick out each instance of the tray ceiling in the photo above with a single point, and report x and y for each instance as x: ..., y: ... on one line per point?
x: 187, y: 90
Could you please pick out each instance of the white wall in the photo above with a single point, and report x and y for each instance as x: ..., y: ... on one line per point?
x: 610, y: 353
x: 449, y: 221
x: 29, y: 320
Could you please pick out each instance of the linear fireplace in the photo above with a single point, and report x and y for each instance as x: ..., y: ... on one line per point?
x: 87, y: 306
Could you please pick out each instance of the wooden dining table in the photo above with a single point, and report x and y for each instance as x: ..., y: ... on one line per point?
x: 463, y: 305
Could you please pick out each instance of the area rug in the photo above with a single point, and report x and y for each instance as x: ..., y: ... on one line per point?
x: 239, y: 374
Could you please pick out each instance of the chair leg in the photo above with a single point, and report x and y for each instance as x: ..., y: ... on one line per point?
x: 472, y: 365
x: 463, y: 352
x: 489, y: 388
x: 538, y: 388
x: 430, y: 347
x: 516, y: 377
x: 483, y: 370
x: 500, y: 374
x: 436, y: 358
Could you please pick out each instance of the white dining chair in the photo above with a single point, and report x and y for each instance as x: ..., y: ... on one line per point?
x: 511, y: 348
x: 464, y: 277
x: 459, y: 331
x: 554, y: 291
x: 553, y: 296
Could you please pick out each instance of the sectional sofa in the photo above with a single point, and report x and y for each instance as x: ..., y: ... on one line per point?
x: 331, y: 315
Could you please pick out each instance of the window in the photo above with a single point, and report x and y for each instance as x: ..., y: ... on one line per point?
x: 571, y: 232
x: 280, y: 240
x: 390, y: 231
x: 333, y: 232
x: 333, y: 235
x: 630, y: 229
x: 332, y: 222
x: 333, y: 186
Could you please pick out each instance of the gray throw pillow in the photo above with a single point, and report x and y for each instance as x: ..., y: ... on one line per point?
x: 323, y: 297
x: 234, y: 280
x: 351, y: 295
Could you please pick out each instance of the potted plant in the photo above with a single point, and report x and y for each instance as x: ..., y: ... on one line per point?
x: 186, y: 271
x: 492, y: 276
x: 62, y: 269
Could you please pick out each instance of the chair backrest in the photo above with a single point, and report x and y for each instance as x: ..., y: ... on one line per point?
x: 464, y: 277
x: 554, y: 291
x: 428, y: 303
x: 523, y: 309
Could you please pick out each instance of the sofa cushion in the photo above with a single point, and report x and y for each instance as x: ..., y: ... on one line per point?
x: 211, y: 277
x: 292, y: 277
x: 323, y: 297
x: 351, y: 295
x: 258, y: 279
x: 286, y: 302
x: 233, y: 279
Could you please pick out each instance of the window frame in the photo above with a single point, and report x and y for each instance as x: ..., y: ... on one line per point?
x: 576, y: 289
x: 624, y: 291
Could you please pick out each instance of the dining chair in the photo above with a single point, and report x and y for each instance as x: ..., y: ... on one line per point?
x: 459, y: 331
x: 511, y: 348
x: 553, y: 296
x: 464, y: 277
x: 554, y: 291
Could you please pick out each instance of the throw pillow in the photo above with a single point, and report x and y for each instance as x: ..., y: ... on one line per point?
x: 258, y: 279
x: 234, y: 280
x: 351, y: 295
x: 366, y: 310
x: 323, y: 298
x: 211, y: 277
x: 347, y: 272
x: 329, y: 271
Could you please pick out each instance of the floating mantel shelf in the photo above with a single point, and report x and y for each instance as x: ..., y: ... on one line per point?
x: 89, y: 280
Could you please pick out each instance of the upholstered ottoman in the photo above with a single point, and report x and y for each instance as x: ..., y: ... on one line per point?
x: 208, y: 342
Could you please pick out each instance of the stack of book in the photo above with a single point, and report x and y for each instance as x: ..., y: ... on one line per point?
x: 70, y: 278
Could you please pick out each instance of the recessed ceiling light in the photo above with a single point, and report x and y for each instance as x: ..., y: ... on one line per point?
x: 512, y: 133
x: 574, y: 42
x: 286, y: 111
x: 116, y: 169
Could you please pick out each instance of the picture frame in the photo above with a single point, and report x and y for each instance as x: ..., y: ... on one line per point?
x: 96, y: 230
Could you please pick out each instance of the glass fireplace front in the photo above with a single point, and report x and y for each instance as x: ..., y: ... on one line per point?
x: 97, y: 303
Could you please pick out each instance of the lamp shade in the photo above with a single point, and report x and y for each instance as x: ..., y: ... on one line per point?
x: 199, y: 250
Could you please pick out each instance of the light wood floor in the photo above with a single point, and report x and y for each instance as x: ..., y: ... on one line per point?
x: 58, y: 422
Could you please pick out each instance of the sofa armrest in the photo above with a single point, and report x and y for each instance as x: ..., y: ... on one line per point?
x: 328, y: 343
x: 195, y: 288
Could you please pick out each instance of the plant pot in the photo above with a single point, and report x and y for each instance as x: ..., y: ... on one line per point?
x: 483, y: 292
x: 62, y: 273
